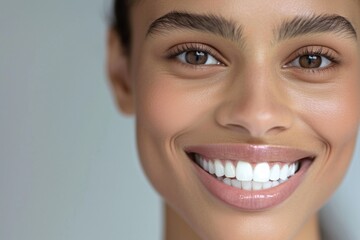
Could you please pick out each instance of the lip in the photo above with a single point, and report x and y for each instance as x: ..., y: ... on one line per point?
x: 252, y: 200
x: 250, y: 153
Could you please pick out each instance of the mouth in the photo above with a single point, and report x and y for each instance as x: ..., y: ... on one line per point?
x: 247, y: 176
x: 250, y: 177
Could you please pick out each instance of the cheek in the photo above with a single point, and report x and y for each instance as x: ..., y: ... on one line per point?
x: 332, y: 110
x: 159, y: 115
x: 167, y: 107
x: 162, y: 110
x: 333, y: 119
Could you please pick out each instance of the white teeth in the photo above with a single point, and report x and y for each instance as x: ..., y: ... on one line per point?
x: 211, y: 167
x: 244, y: 171
x: 256, y: 186
x: 245, y: 176
x: 284, y: 172
x: 291, y: 169
x: 275, y: 183
x: 261, y: 172
x: 202, y: 163
x: 246, y: 185
x: 275, y: 172
x: 205, y: 165
x: 227, y: 181
x: 229, y: 170
x: 250, y: 185
x: 235, y: 183
x: 282, y: 181
x: 267, y: 185
x: 219, y: 168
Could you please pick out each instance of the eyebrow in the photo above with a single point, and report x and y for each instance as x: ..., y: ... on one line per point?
x: 228, y: 29
x: 303, y: 25
x: 208, y: 23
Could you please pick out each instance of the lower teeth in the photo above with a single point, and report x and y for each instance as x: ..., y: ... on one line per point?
x: 249, y: 185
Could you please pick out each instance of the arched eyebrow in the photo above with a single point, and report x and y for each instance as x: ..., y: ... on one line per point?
x: 228, y: 29
x: 208, y: 23
x: 304, y: 25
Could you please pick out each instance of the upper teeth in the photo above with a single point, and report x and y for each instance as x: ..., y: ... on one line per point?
x: 245, y: 172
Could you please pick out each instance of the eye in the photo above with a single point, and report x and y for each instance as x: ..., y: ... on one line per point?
x: 314, y: 58
x: 311, y: 61
x: 195, y: 54
x: 197, y: 57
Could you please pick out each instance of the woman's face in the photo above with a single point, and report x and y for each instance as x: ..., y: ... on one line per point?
x: 263, y: 94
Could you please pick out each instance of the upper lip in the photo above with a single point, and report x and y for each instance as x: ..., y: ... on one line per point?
x: 250, y: 153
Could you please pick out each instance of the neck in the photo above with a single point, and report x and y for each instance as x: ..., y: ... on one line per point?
x: 311, y: 230
x: 177, y: 229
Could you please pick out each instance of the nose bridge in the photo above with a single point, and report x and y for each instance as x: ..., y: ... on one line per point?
x: 257, y: 104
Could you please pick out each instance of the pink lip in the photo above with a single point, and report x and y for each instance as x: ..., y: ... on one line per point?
x: 252, y: 200
x: 250, y: 153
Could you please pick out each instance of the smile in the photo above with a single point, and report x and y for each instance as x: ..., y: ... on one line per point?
x: 244, y: 175
x: 239, y: 175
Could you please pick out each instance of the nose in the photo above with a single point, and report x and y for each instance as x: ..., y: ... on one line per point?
x: 257, y: 107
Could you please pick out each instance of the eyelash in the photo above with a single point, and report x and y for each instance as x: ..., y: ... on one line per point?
x: 188, y: 47
x: 321, y: 51
x: 317, y: 51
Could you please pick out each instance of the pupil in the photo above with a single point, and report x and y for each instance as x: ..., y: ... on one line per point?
x: 310, y: 61
x: 196, y: 57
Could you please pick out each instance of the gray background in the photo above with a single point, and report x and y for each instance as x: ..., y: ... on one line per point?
x: 68, y: 165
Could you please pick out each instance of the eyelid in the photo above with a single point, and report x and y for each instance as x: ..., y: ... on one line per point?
x: 326, y: 52
x: 174, y: 51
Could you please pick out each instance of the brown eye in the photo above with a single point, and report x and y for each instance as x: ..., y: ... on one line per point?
x: 310, y: 61
x: 196, y: 57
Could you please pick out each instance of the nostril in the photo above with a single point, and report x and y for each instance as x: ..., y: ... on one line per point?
x: 256, y: 113
x: 256, y: 123
x: 276, y: 130
x: 238, y: 128
x: 256, y: 130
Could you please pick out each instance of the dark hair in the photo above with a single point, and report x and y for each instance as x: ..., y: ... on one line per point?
x: 121, y: 22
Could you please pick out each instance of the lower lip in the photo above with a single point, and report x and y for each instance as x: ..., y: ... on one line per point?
x: 253, y: 200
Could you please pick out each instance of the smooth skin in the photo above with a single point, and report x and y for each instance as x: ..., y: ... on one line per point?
x: 251, y: 90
